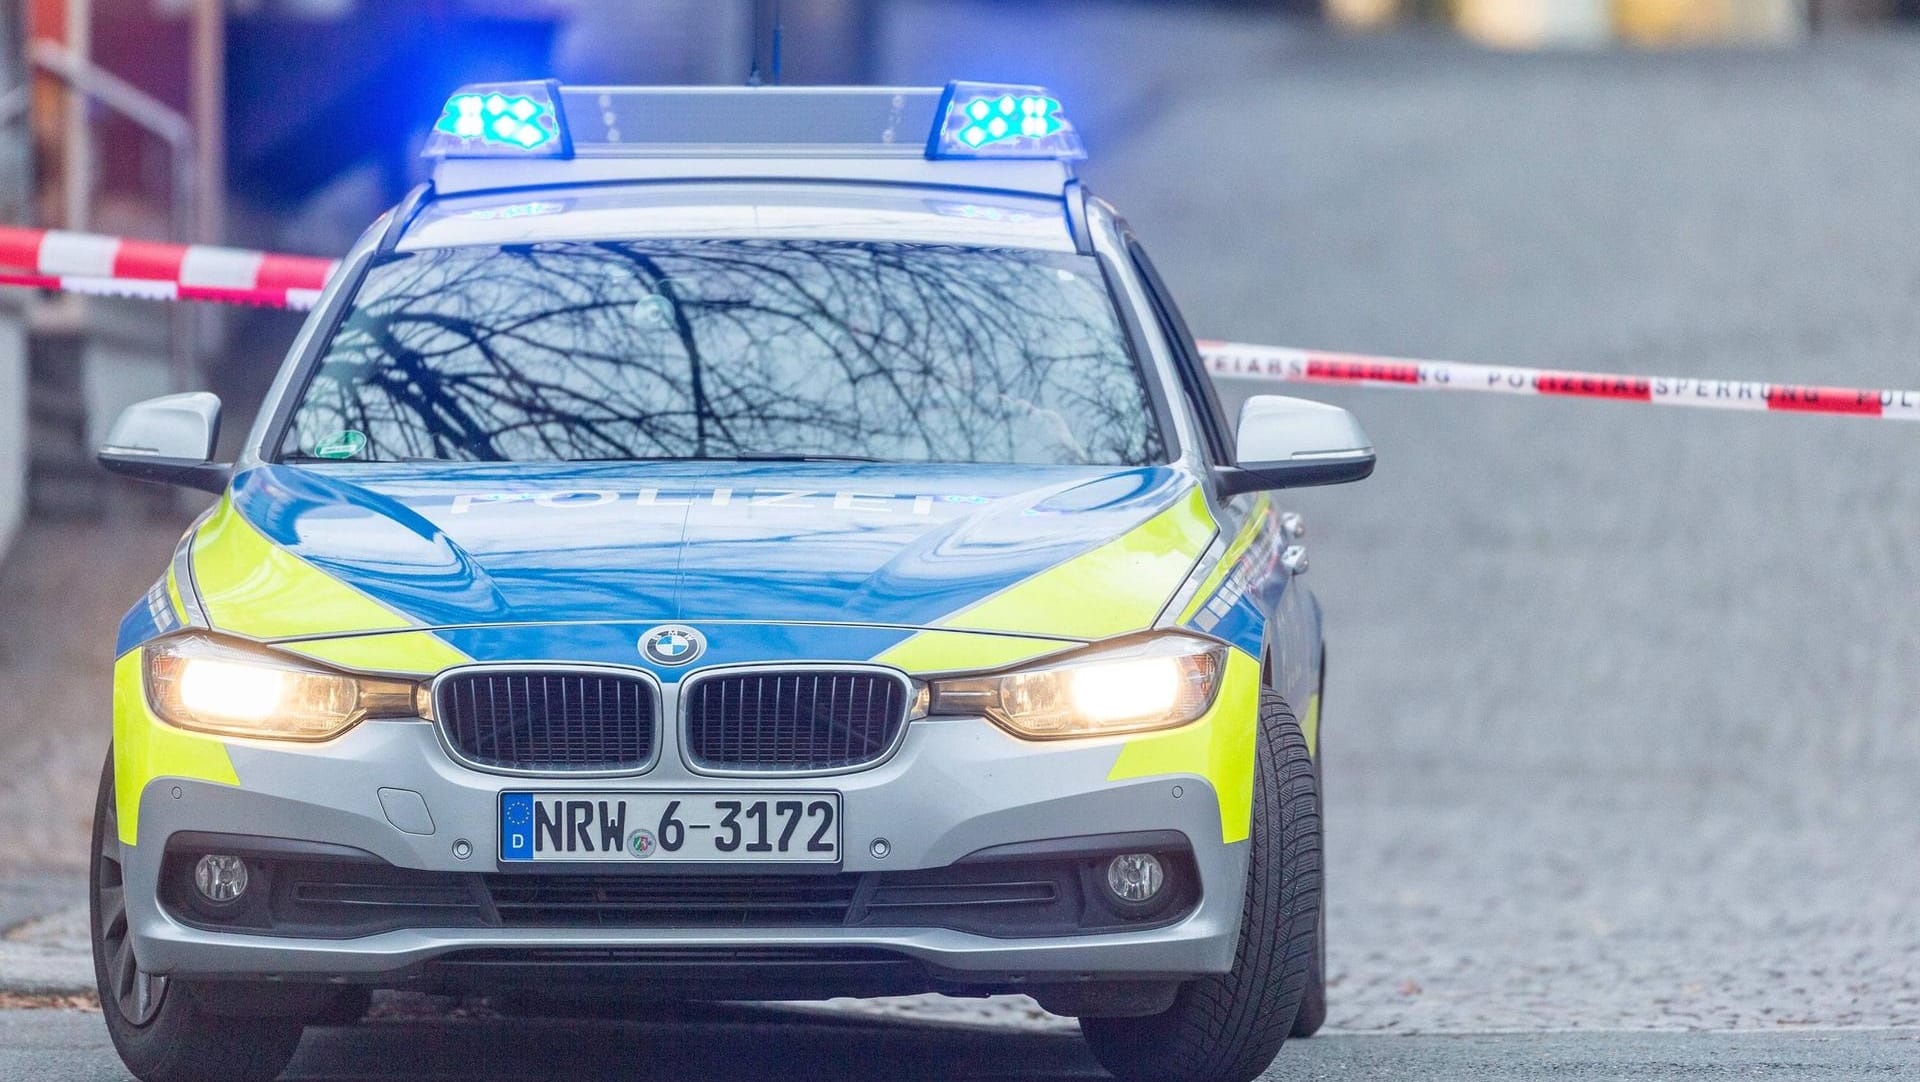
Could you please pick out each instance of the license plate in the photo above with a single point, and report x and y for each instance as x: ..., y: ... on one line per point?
x: 746, y: 827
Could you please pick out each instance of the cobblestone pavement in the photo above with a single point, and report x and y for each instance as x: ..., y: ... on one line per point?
x: 1621, y: 723
x: 1486, y: 900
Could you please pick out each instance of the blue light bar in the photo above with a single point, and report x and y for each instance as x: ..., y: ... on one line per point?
x: 537, y: 120
x: 502, y: 120
x: 994, y: 120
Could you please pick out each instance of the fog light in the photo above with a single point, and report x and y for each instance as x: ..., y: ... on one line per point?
x: 1135, y: 877
x: 220, y: 878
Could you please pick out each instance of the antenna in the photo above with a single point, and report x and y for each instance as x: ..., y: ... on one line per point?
x: 753, y: 67
x: 776, y: 42
x: 753, y: 61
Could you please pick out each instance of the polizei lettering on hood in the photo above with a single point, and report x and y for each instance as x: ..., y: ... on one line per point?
x: 799, y: 499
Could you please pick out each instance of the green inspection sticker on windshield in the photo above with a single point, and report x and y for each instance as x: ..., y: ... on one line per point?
x: 343, y: 444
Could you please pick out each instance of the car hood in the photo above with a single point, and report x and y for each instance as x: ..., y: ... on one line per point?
x: 453, y: 545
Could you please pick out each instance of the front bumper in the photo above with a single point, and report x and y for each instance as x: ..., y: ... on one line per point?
x: 954, y: 788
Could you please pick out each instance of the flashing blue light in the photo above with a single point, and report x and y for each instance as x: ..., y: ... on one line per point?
x: 506, y: 119
x: 986, y: 120
x: 518, y: 121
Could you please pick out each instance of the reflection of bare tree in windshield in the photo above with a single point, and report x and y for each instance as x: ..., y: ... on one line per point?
x: 676, y: 349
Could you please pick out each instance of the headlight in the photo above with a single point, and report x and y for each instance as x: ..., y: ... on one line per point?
x: 219, y: 686
x: 1153, y: 683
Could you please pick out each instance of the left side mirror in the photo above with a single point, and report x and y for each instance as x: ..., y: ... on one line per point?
x: 1293, y: 443
x: 168, y: 440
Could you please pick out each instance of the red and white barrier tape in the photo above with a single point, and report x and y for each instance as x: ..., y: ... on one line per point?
x: 1238, y: 360
x: 113, y: 266
x: 155, y: 290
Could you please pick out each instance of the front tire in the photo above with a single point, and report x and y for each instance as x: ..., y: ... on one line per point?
x: 1228, y: 1028
x: 1313, y: 1004
x: 158, y: 1025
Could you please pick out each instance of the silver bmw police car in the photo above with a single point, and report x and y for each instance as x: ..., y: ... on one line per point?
x: 728, y: 544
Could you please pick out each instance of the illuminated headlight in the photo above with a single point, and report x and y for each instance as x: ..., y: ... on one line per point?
x: 219, y: 686
x: 1153, y: 683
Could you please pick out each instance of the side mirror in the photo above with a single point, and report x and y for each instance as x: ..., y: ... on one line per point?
x: 1293, y: 443
x: 168, y: 440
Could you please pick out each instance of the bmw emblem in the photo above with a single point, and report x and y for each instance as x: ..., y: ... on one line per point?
x: 672, y: 644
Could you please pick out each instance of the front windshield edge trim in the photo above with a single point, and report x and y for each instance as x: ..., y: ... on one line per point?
x: 1133, y: 332
x: 272, y: 447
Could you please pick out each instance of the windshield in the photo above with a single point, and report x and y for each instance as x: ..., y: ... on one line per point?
x: 729, y: 349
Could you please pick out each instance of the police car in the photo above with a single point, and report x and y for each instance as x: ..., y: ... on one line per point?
x: 727, y: 544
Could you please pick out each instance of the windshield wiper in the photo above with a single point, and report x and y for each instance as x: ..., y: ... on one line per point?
x: 747, y: 456
x: 302, y: 456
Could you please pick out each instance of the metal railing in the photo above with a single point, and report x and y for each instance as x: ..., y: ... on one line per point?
x: 158, y: 119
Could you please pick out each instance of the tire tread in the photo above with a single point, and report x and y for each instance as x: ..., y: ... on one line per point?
x: 185, y: 1042
x: 1229, y: 1028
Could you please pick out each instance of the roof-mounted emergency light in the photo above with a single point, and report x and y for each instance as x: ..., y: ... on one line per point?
x: 992, y: 120
x: 502, y: 120
x: 966, y: 120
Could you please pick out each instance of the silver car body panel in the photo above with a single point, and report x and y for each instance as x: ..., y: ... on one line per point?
x: 955, y: 787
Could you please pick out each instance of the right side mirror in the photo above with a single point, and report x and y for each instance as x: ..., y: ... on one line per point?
x: 1293, y: 443
x: 168, y: 440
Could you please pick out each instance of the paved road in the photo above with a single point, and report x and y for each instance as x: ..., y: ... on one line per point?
x: 729, y: 1045
x: 1621, y: 728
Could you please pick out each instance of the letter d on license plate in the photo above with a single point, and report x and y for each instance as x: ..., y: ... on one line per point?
x: 698, y: 828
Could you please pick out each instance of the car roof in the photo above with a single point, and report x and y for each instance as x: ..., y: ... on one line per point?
x: 746, y: 210
x: 461, y: 176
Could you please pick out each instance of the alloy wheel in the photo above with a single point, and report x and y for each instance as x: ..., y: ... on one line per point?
x: 136, y: 993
